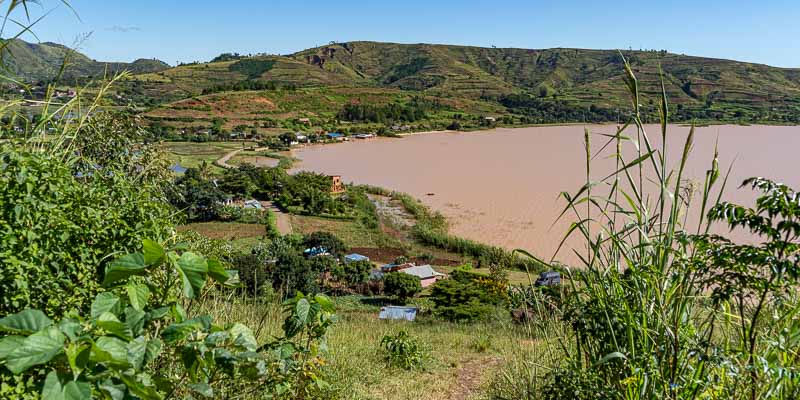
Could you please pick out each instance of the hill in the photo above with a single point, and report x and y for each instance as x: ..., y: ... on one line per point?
x: 43, y: 61
x: 546, y: 85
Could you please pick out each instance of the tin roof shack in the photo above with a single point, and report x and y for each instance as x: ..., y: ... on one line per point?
x: 549, y: 278
x: 398, y: 313
x: 354, y: 258
x: 426, y: 274
x: 336, y: 136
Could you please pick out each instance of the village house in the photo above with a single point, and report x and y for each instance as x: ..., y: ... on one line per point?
x: 306, y: 121
x: 336, y: 136
x: 364, y: 136
x: 426, y: 274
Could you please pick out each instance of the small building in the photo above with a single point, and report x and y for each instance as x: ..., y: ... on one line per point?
x: 364, y: 136
x: 490, y: 119
x: 253, y: 204
x: 336, y: 184
x: 336, y: 136
x: 354, y: 258
x: 395, y: 267
x: 398, y: 313
x: 306, y: 121
x: 301, y: 138
x: 426, y: 274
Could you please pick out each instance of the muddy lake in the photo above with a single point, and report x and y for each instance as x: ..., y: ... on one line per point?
x: 502, y: 186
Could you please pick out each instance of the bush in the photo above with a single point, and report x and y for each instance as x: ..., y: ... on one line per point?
x: 466, y: 296
x: 329, y: 241
x: 138, y: 326
x: 403, y: 351
x: 56, y: 228
x: 401, y: 285
x: 254, y: 274
x: 353, y: 273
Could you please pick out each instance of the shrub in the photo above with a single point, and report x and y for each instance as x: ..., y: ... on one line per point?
x: 138, y: 326
x: 466, y: 296
x: 327, y: 240
x: 403, y: 351
x: 401, y: 285
x: 56, y: 228
x: 254, y: 274
x: 353, y: 273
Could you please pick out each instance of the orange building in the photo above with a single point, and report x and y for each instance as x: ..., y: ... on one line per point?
x: 336, y: 184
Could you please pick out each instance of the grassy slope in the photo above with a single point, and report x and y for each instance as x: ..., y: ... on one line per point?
x: 461, y: 77
x: 33, y: 62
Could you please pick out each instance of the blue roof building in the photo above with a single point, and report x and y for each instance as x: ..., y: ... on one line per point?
x: 334, y: 135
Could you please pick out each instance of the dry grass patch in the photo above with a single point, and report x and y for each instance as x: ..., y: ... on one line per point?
x: 225, y: 230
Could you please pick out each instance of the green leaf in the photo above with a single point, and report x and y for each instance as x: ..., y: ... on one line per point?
x: 325, y: 302
x: 70, y: 327
x: 152, y: 350
x: 134, y: 320
x: 52, y: 387
x: 179, y: 331
x: 217, y: 272
x: 110, y: 350
x: 112, y: 324
x: 123, y: 268
x: 36, y: 349
x: 140, y: 390
x: 301, y: 310
x: 136, y: 352
x: 202, y: 389
x: 78, y: 356
x: 105, y: 302
x: 138, y: 294
x: 8, y: 344
x: 115, y: 392
x: 153, y: 252
x: 77, y: 391
x: 193, y: 269
x: 25, y: 322
x: 243, y: 337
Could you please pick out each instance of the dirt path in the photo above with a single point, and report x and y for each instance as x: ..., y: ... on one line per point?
x: 470, y: 377
x: 223, y: 161
x: 282, y: 220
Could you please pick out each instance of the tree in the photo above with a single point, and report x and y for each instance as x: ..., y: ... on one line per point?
x: 199, y: 198
x: 401, y: 285
x: 353, y: 273
x: 326, y: 240
x: 287, y: 138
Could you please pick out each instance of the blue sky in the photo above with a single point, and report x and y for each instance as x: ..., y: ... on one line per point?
x: 766, y: 31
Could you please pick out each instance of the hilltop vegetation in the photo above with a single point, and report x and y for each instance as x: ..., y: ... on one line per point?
x: 42, y: 62
x: 525, y: 86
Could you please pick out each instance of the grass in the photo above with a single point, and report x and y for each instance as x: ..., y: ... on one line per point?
x: 462, y: 362
x: 226, y: 230
x: 353, y: 233
x: 192, y: 155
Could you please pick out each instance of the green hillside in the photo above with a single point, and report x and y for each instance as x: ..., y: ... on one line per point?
x: 42, y: 61
x: 548, y: 85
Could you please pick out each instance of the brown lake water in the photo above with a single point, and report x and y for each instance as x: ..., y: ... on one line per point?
x: 502, y: 186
